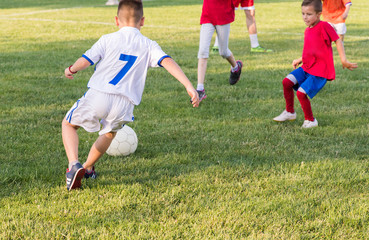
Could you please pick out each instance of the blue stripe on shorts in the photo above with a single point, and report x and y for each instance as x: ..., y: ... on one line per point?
x: 69, y: 117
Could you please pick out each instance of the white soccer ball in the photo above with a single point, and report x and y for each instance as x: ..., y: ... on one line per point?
x: 124, y: 143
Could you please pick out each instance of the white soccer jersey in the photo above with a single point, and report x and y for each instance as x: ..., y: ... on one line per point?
x: 122, y: 59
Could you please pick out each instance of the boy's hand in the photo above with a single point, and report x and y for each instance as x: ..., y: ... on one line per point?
x: 194, y: 96
x: 296, y: 63
x: 79, y: 65
x: 68, y: 74
x: 349, y: 65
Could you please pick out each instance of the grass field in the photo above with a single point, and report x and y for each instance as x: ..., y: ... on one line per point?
x: 222, y: 171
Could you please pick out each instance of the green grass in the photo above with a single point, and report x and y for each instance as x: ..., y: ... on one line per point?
x: 222, y: 171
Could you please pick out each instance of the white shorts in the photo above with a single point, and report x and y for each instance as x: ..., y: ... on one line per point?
x: 97, y: 108
x: 339, y: 27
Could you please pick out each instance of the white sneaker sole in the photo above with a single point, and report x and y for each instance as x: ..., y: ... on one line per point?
x: 289, y: 120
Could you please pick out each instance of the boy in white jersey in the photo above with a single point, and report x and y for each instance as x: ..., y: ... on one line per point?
x: 122, y: 59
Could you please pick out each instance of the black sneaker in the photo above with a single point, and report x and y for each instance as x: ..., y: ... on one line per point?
x: 74, y: 176
x: 91, y: 174
x: 235, y: 76
x: 202, y: 95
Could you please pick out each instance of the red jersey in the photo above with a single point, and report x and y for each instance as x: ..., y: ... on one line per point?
x: 317, y: 55
x: 217, y: 12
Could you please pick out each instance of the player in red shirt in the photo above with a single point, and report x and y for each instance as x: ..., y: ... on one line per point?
x: 249, y: 9
x: 217, y: 15
x: 317, y: 64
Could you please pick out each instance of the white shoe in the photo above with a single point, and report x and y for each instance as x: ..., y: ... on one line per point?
x: 310, y: 124
x: 285, y: 116
x: 112, y: 2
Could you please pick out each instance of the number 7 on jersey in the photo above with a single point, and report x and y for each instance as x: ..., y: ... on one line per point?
x: 130, y: 61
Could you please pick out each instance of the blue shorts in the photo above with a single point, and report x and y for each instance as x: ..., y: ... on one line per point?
x: 310, y: 83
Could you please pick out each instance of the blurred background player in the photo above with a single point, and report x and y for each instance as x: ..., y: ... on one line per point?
x: 317, y: 64
x: 249, y: 8
x: 216, y: 15
x: 335, y: 12
x: 112, y: 2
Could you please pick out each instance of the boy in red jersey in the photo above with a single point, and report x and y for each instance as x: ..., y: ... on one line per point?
x: 217, y: 15
x: 317, y: 64
x: 335, y: 12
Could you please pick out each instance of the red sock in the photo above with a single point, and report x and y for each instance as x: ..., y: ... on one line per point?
x: 288, y: 94
x: 306, y: 106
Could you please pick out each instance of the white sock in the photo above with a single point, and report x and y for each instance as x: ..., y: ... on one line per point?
x: 72, y: 163
x: 200, y: 87
x: 254, y: 40
x: 234, y: 69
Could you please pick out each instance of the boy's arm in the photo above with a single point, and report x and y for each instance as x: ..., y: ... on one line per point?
x: 172, y: 67
x: 341, y: 52
x: 346, y: 12
x: 79, y: 65
x: 296, y: 62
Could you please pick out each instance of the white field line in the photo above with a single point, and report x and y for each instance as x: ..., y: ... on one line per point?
x: 41, y: 11
x: 54, y: 20
x: 2, y: 18
x: 195, y: 28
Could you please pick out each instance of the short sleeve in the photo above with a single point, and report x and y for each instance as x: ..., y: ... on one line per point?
x: 347, y: 2
x: 156, y: 55
x: 96, y: 52
x: 329, y: 34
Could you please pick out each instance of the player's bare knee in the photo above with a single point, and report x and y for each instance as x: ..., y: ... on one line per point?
x: 250, y: 13
x: 224, y: 54
x: 65, y: 123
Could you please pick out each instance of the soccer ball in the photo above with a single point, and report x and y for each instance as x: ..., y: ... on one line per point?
x: 124, y: 143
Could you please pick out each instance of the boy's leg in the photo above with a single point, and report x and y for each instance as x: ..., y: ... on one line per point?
x: 201, y: 71
x: 310, y: 87
x: 251, y: 22
x: 288, y: 83
x: 98, y: 149
x: 288, y: 94
x: 305, y: 104
x: 340, y: 28
x: 75, y: 171
x: 251, y: 28
x: 310, y: 121
x: 206, y: 33
x: 342, y: 36
x: 232, y: 61
x: 223, y: 32
x: 70, y: 140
